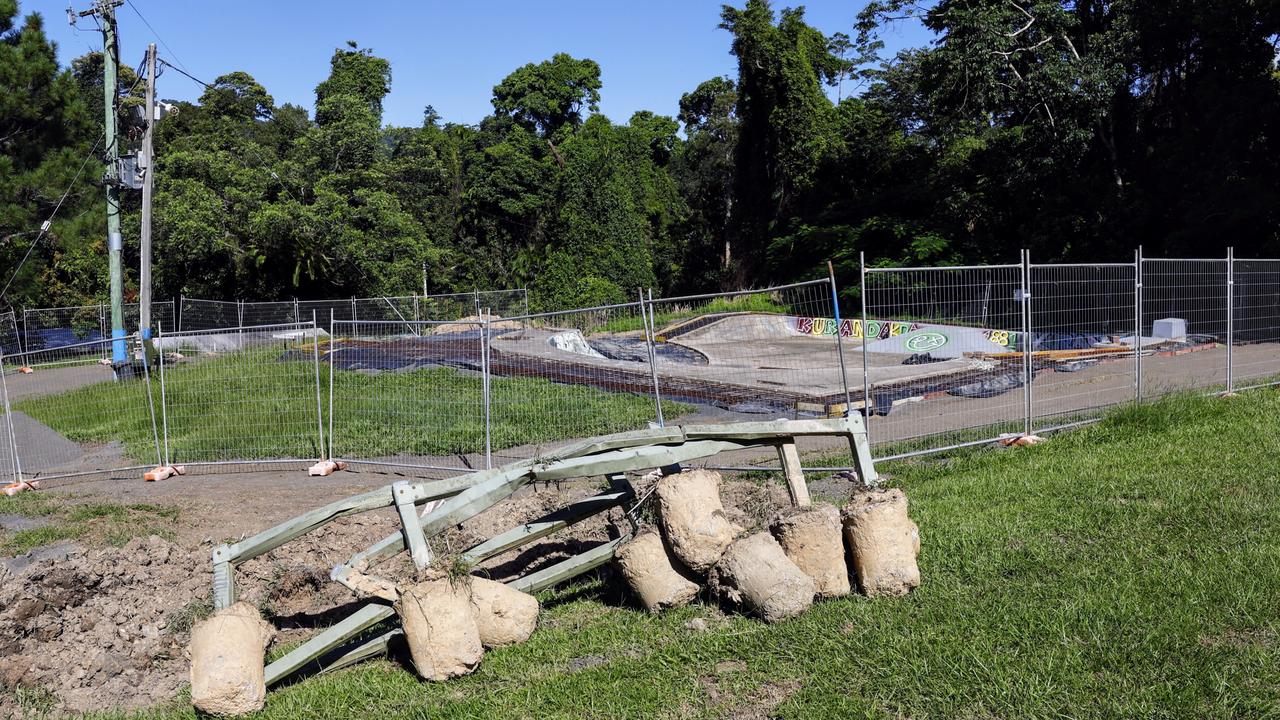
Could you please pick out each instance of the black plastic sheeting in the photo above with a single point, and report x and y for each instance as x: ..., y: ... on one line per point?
x: 636, y: 350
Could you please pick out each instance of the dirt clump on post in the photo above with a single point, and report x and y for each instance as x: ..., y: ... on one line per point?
x: 756, y: 574
x: 883, y: 542
x: 440, y: 626
x: 653, y: 573
x: 812, y: 538
x: 693, y: 518
x: 227, y: 661
x: 503, y: 615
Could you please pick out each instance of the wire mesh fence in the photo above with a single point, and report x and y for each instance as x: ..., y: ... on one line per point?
x: 766, y: 352
x: 935, y: 357
x: 407, y: 393
x: 1256, y: 322
x: 10, y: 336
x: 197, y: 314
x: 1185, y: 322
x: 237, y: 395
x: 72, y: 414
x: 388, y: 309
x: 943, y: 354
x: 8, y: 445
x: 557, y: 376
x: 1083, y: 320
x: 44, y: 328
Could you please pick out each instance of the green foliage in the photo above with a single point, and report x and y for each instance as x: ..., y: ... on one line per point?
x: 46, y: 129
x: 1077, y: 129
x: 549, y: 95
x: 755, y: 303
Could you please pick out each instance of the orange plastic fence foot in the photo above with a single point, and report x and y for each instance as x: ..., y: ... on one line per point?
x: 1021, y: 440
x: 164, y: 472
x: 14, y: 488
x: 25, y: 370
x: 326, y: 467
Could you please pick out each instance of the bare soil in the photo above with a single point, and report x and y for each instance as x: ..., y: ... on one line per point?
x: 107, y: 627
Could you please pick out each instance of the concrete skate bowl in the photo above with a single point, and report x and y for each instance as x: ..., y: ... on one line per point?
x: 703, y: 374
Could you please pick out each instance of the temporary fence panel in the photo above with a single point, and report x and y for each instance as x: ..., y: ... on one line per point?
x: 387, y: 309
x: 1255, y: 322
x: 280, y: 312
x: 408, y: 393
x: 1184, y: 325
x: 1083, y: 320
x: 10, y: 337
x: 197, y: 314
x: 237, y: 395
x: 757, y: 354
x: 944, y: 355
x: 503, y: 303
x: 8, y: 447
x: 45, y: 328
x: 163, y: 316
x: 449, y: 306
x: 54, y: 327
x: 326, y: 311
x: 455, y: 306
x: 74, y: 415
x: 555, y: 377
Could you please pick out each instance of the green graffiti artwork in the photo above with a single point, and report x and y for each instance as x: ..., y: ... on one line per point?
x: 926, y: 341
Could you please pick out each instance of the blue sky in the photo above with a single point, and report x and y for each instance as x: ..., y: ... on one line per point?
x: 446, y: 54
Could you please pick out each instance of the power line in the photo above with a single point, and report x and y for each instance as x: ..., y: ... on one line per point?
x: 184, y: 72
x: 44, y: 227
x: 153, y: 32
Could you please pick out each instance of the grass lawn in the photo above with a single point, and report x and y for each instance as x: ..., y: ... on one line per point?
x: 1128, y: 569
x: 255, y: 405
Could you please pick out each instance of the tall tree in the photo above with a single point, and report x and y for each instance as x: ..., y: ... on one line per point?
x: 785, y: 123
x: 46, y: 132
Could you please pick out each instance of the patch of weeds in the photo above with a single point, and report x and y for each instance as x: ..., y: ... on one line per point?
x: 25, y: 541
x: 184, y: 618
x: 40, y: 700
x: 101, y: 523
x: 30, y: 504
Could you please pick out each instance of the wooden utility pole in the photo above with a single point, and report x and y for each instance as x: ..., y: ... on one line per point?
x: 106, y: 12
x: 147, y: 161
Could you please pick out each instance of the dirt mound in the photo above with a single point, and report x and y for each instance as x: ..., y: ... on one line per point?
x: 103, y: 627
x: 108, y: 628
